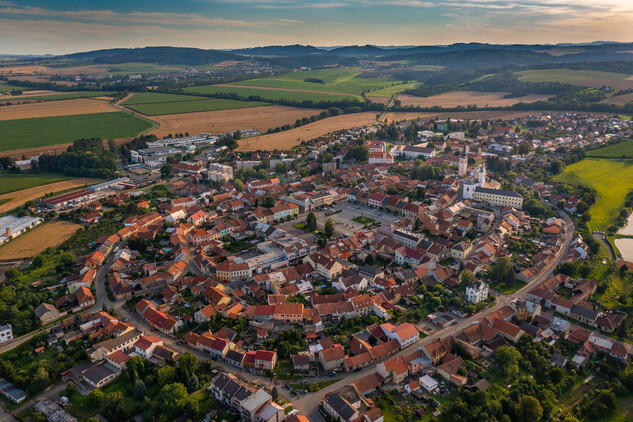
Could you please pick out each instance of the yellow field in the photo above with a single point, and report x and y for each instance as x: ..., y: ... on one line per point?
x: 54, y: 108
x: 38, y: 239
x: 23, y: 196
x: 465, y: 98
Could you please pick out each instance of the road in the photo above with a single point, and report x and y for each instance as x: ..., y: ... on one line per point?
x: 308, y: 404
x: 600, y: 237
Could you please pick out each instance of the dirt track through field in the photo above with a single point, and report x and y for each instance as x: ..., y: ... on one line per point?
x: 290, y: 138
x: 465, y: 98
x: 286, y: 89
x: 54, y: 108
x: 36, y: 240
x: 221, y: 121
x: 23, y: 196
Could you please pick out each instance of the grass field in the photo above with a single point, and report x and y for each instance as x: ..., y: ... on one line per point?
x: 36, y: 240
x: 612, y: 180
x: 27, y: 133
x: 271, y: 94
x: 12, y: 182
x: 621, y: 150
x: 391, y: 90
x: 59, y: 96
x: 336, y: 80
x: 566, y: 75
x: 5, y: 87
x: 153, y: 104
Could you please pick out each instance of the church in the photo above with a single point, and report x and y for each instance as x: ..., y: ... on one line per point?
x: 484, y: 189
x: 482, y: 181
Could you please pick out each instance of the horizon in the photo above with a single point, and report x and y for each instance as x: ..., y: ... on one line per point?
x: 62, y: 27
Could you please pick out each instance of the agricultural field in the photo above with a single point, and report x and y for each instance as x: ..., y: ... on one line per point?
x: 222, y: 121
x: 612, y: 180
x: 153, y: 104
x: 54, y: 108
x: 12, y: 182
x: 11, y: 200
x: 44, y: 131
x: 466, y: 98
x: 619, y: 100
x: 56, y: 96
x: 272, y: 94
x: 620, y: 150
x: 566, y: 75
x: 472, y: 115
x: 6, y: 87
x: 391, y: 90
x: 290, y: 138
x: 345, y: 80
x: 36, y: 240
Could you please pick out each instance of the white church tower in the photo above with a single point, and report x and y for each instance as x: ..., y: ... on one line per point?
x: 481, y: 178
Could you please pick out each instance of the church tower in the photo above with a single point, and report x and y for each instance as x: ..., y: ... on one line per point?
x: 482, y: 176
x: 462, y: 167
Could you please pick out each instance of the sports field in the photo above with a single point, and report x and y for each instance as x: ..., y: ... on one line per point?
x: 345, y: 80
x: 272, y: 94
x: 612, y: 180
x: 153, y: 104
x: 621, y: 150
x: 27, y: 133
x: 12, y: 182
x: 566, y: 75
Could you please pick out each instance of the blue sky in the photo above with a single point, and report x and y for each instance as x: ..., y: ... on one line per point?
x: 65, y: 26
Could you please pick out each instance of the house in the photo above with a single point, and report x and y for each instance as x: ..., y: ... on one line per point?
x: 461, y: 250
x: 270, y: 412
x: 324, y: 265
x: 332, y: 358
x: 346, y: 405
x: 234, y: 358
x: 265, y: 359
x: 406, y: 333
x: 84, y: 296
x: 6, y: 333
x: 428, y: 383
x: 204, y: 314
x: 477, y: 292
x: 145, y: 346
x: 46, y: 313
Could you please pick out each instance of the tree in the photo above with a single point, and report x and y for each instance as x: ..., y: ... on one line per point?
x: 188, y: 363
x: 192, y: 383
x: 172, y: 398
x: 467, y: 277
x: 139, y: 390
x: 96, y: 398
x: 502, y: 271
x: 38, y: 261
x: 311, y: 222
x: 329, y: 227
x: 369, y: 260
x: 524, y: 148
x: 268, y: 201
x: 166, y: 171
x: 71, y: 389
x: 12, y: 274
x: 274, y: 393
x: 528, y: 409
x: 238, y: 185
x: 114, y: 407
x: 166, y: 375
x: 508, y: 360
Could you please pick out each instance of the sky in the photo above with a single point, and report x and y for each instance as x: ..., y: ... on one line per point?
x: 67, y: 26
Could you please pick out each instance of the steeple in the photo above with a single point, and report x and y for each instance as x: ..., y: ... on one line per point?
x: 482, y: 175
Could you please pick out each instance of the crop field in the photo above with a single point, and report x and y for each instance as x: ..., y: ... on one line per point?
x: 272, y: 94
x: 17, y: 199
x: 621, y: 150
x: 12, y: 182
x: 38, y: 239
x: 54, y: 108
x: 44, y: 131
x: 222, y: 121
x: 335, y: 80
x: 466, y: 98
x: 391, y: 90
x: 619, y: 100
x: 5, y: 87
x: 290, y: 138
x: 153, y: 104
x: 472, y: 115
x: 612, y: 180
x: 566, y: 75
x: 56, y: 96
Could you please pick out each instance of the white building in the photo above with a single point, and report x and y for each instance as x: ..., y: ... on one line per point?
x: 477, y: 292
x: 428, y: 383
x: 218, y: 172
x: 6, y: 333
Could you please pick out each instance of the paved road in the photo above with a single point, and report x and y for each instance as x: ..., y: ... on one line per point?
x: 309, y: 404
x: 600, y: 237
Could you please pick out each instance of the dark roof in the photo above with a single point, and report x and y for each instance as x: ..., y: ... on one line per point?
x: 583, y: 312
x: 498, y: 192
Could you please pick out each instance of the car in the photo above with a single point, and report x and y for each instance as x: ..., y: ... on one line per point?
x: 293, y: 392
x: 332, y: 374
x: 179, y: 342
x: 286, y: 386
x: 293, y: 412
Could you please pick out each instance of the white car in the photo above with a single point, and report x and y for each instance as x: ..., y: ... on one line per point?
x: 293, y: 412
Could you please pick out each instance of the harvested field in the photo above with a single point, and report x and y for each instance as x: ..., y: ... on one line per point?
x: 36, y: 240
x: 290, y: 138
x: 617, y: 84
x: 472, y: 115
x: 619, y: 100
x: 379, y: 100
x: 26, y: 69
x: 21, y: 197
x: 221, y: 121
x: 465, y: 98
x: 54, y: 108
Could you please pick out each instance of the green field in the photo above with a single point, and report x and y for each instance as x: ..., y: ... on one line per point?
x: 152, y: 104
x: 566, y: 75
x: 336, y: 80
x: 6, y: 87
x: 271, y: 94
x: 40, y: 132
x: 612, y: 180
x: 621, y: 150
x: 12, y: 182
x: 60, y: 96
x: 391, y: 90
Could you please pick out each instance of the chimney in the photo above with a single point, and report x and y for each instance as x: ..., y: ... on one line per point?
x: 8, y: 233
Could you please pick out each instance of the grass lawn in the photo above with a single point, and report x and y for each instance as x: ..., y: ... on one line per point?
x: 44, y: 131
x: 565, y: 75
x: 192, y: 106
x: 313, y: 387
x: 271, y: 94
x: 345, y: 80
x: 61, y: 96
x: 507, y: 288
x: 612, y: 180
x: 12, y: 182
x: 364, y: 220
x: 621, y: 150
